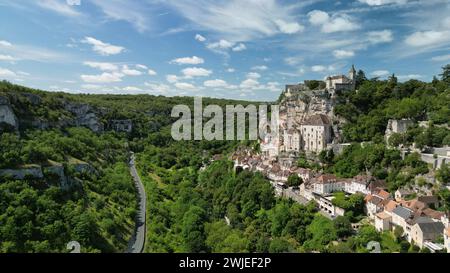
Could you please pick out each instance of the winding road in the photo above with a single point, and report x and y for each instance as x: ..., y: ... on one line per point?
x: 136, y: 244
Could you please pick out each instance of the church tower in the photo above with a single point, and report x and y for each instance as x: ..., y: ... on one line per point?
x: 352, y: 76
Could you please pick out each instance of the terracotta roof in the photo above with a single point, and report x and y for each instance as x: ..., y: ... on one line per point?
x: 383, y: 215
x: 433, y: 213
x: 317, y: 120
x: 383, y: 194
x: 416, y: 205
x: 368, y: 198
x: 390, y: 206
x: 326, y: 178
x: 448, y: 231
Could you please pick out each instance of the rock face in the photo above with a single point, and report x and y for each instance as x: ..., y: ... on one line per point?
x: 7, y: 115
x: 85, y: 116
x: 125, y: 125
x: 34, y: 99
x: 307, y: 104
x: 20, y: 174
x: 58, y: 170
x: 397, y: 126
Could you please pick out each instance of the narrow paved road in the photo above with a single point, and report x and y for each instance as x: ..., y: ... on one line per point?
x: 136, y: 244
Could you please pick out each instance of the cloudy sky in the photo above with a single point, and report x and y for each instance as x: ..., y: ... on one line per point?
x: 242, y: 49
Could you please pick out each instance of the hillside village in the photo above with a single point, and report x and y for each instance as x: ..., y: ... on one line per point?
x: 308, y: 126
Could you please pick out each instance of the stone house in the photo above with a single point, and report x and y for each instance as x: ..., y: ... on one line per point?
x: 383, y: 221
x: 425, y: 230
x: 316, y: 133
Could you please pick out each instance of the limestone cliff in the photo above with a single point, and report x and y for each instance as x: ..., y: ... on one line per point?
x: 7, y: 115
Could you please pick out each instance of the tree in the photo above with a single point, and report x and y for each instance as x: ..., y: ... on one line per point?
x: 343, y: 227
x: 280, y: 245
x: 320, y: 233
x: 360, y: 78
x: 192, y: 229
x: 294, y: 180
x: 443, y: 174
x: 398, y: 233
x: 445, y: 76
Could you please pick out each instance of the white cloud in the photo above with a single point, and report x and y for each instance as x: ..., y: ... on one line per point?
x: 260, y: 67
x: 273, y: 86
x: 380, y: 73
x: 293, y: 60
x: 239, y: 20
x: 342, y: 54
x: 130, y: 72
x: 318, y: 68
x: 7, y: 73
x: 231, y: 70
x: 318, y: 17
x: 103, y: 78
x: 132, y: 89
x: 289, y: 28
x: 7, y: 58
x: 216, y: 83
x: 102, y: 66
x: 5, y: 43
x: 383, y: 36
x: 172, y: 78
x: 141, y: 66
x: 152, y: 72
x: 253, y: 75
x: 102, y: 48
x: 200, y: 38
x: 22, y: 73
x: 185, y: 86
x: 121, y: 10
x: 408, y: 77
x: 250, y: 84
x: 428, y: 38
x: 59, y: 7
x: 92, y: 87
x: 222, y: 44
x: 158, y: 88
x: 240, y: 47
x: 382, y: 2
x: 441, y: 58
x: 196, y: 72
x: 330, y: 24
x: 188, y: 60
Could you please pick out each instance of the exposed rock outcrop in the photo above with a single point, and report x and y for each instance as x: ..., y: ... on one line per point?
x: 58, y: 170
x: 7, y: 115
x: 85, y: 116
x: 20, y: 174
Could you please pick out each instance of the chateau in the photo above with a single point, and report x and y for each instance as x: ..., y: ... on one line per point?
x: 307, y: 120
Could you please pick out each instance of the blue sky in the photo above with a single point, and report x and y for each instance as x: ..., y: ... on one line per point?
x: 241, y: 49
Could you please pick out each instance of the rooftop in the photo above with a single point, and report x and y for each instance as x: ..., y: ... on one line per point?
x: 431, y: 227
x: 383, y: 215
x: 402, y: 212
x: 317, y: 120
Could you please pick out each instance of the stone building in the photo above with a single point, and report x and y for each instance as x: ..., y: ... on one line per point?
x: 316, y: 133
x: 341, y: 82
